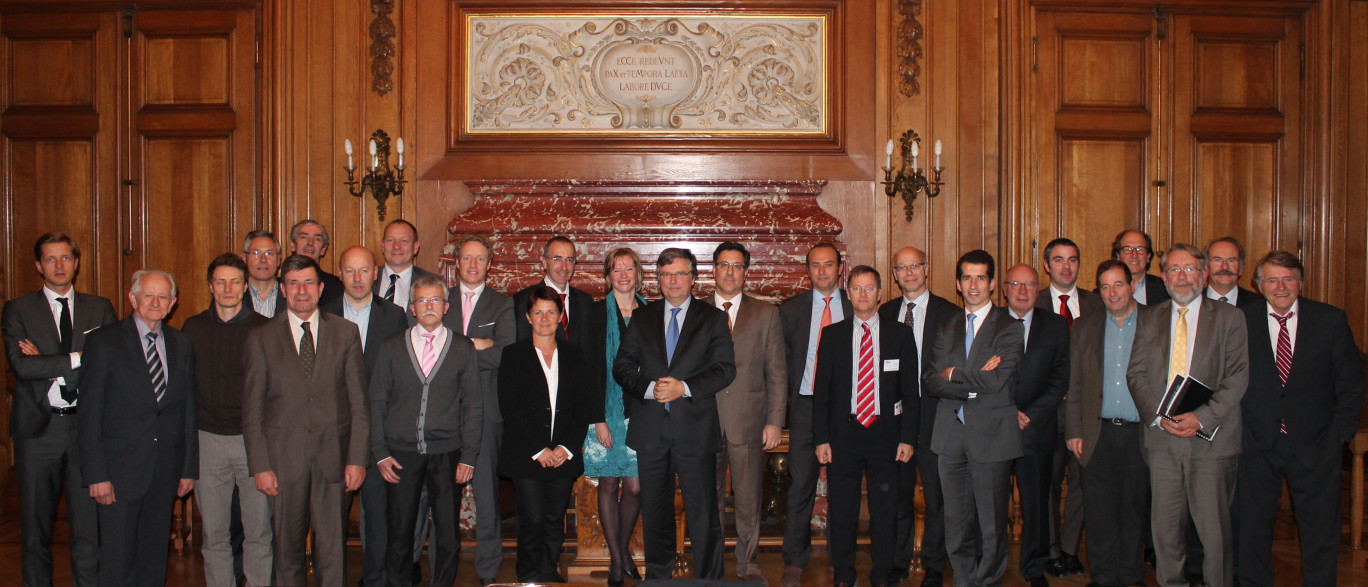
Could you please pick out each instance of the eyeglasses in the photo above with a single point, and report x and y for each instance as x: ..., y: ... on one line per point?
x: 736, y: 266
x: 432, y: 301
x: 1174, y: 271
x: 557, y: 260
x: 675, y: 274
x: 1025, y: 284
x: 1134, y: 249
x: 263, y: 254
x: 905, y: 267
x: 867, y: 289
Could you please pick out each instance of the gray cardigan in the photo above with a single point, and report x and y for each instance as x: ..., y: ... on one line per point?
x: 449, y: 400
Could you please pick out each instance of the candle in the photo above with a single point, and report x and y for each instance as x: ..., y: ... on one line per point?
x: 347, y: 146
x: 888, y: 155
x: 399, y: 146
x: 915, y: 151
x: 938, y: 153
x: 375, y: 160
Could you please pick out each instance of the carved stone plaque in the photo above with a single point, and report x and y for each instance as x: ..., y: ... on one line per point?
x: 661, y: 73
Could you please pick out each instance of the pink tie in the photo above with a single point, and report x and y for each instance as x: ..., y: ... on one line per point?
x: 864, y: 398
x: 429, y: 354
x: 466, y: 309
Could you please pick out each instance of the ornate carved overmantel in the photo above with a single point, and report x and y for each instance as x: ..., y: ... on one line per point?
x: 777, y: 221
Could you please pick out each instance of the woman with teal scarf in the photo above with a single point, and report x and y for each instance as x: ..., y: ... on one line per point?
x: 606, y: 455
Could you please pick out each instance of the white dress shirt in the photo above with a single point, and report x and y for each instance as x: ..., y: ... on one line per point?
x: 552, y: 372
x: 296, y: 330
x: 1231, y: 298
x: 1073, y: 304
x: 718, y: 301
x: 402, y: 286
x: 1274, y: 327
x: 1194, y: 312
x: 55, y: 390
x: 562, y: 291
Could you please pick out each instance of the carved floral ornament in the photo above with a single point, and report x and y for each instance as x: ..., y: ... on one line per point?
x: 762, y: 74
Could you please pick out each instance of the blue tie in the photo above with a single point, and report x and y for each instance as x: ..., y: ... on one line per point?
x: 671, y: 339
x: 968, y: 343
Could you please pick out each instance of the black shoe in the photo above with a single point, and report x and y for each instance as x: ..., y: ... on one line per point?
x: 487, y: 581
x: 1055, y: 568
x: 1072, y: 564
x: 1039, y: 582
x: 897, y: 576
x: 932, y: 579
x: 1148, y: 557
x: 1195, y: 579
x: 629, y: 571
x: 617, y: 583
x: 417, y: 573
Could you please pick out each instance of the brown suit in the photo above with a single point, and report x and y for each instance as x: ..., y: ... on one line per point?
x: 755, y: 399
x: 307, y: 431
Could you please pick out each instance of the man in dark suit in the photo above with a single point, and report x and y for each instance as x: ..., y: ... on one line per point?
x: 397, y: 276
x: 1302, y: 406
x: 1064, y: 297
x: 977, y: 433
x: 139, y: 445
x: 309, y: 238
x: 924, y: 312
x: 376, y: 319
x: 675, y: 356
x: 1103, y: 430
x: 1225, y: 261
x: 558, y: 259
x: 865, y: 423
x: 261, y: 251
x: 1136, y: 250
x: 485, y: 317
x: 1208, y: 341
x: 305, y: 421
x: 425, y: 429
x: 45, y: 334
x: 804, y: 316
x: 1038, y: 388
x: 751, y: 409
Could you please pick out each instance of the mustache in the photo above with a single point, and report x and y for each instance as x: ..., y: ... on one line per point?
x: 427, y: 313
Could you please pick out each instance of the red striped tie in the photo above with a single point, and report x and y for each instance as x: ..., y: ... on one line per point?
x: 1065, y: 311
x: 864, y: 397
x: 1284, y: 356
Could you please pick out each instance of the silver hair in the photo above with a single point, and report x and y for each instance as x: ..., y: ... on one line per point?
x: 256, y: 234
x: 138, y: 277
x: 427, y: 281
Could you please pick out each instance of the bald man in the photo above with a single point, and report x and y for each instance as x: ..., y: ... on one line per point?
x: 927, y: 311
x: 376, y: 319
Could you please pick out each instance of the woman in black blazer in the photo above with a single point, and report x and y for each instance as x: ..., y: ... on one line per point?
x: 547, y: 401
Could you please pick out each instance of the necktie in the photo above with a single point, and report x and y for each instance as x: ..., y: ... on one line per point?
x: 306, y: 351
x: 1225, y: 299
x: 1065, y: 311
x: 825, y: 322
x: 911, y: 318
x: 1284, y: 356
x: 64, y: 331
x: 565, y: 315
x: 389, y: 293
x: 466, y: 309
x: 1178, y: 357
x: 726, y: 307
x: 864, y: 397
x: 968, y: 343
x: 154, y: 367
x: 429, y: 353
x: 671, y: 339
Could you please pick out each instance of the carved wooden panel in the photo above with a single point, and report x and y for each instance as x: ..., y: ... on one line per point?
x: 51, y: 185
x: 52, y: 71
x: 1101, y: 187
x: 1103, y: 69
x: 1236, y: 74
x: 1237, y: 187
x: 186, y: 70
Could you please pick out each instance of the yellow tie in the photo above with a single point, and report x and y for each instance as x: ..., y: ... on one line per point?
x: 1178, y: 358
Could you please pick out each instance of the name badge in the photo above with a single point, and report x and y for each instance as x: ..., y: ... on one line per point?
x: 897, y: 408
x: 891, y: 364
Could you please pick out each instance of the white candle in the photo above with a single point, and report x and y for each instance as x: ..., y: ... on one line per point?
x: 888, y: 155
x: 375, y: 160
x: 399, y: 146
x: 938, y: 153
x: 347, y: 146
x: 915, y: 151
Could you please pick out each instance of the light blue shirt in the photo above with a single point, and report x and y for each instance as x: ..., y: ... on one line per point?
x: 683, y: 311
x: 359, y: 317
x: 815, y: 329
x: 1116, y: 352
x: 1025, y: 324
x: 161, y: 344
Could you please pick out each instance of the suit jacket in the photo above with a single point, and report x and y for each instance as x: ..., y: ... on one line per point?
x: 758, y: 396
x: 1083, y: 405
x: 492, y: 318
x: 832, y: 391
x: 703, y: 359
x: 580, y: 301
x: 1155, y: 290
x: 284, y: 411
x: 453, y: 418
x: 527, y: 410
x: 385, y: 319
x: 126, y: 436
x: 1041, y: 379
x: 30, y: 317
x: 1219, y: 358
x: 796, y: 314
x: 1089, y: 302
x: 1324, y: 390
x: 990, y: 419
x: 937, y: 310
x: 1245, y: 300
x: 332, y: 288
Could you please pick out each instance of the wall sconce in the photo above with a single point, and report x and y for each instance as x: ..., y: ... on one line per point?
x: 910, y: 180
x: 382, y: 181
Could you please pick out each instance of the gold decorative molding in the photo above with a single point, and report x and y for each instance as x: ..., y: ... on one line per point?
x: 910, y: 33
x: 382, y: 32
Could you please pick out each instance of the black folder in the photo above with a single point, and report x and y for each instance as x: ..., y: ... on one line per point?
x: 1186, y: 394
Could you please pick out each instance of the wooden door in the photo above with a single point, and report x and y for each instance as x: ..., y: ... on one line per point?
x: 1236, y: 145
x: 192, y: 151
x: 1093, y: 133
